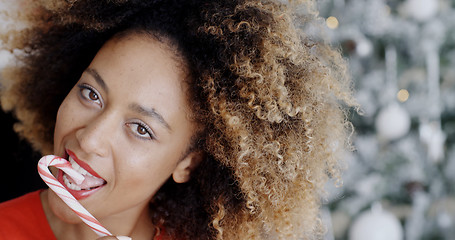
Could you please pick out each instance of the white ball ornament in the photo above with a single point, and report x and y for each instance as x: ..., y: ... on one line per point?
x: 393, y: 122
x: 376, y: 224
x: 364, y: 48
x: 422, y: 10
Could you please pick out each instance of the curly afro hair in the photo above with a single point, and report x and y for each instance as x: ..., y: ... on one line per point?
x: 271, y: 101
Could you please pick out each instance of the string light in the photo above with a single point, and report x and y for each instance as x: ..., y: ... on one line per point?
x: 332, y: 22
x: 403, y: 95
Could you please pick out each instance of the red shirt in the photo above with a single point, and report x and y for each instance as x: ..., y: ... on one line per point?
x: 23, y: 218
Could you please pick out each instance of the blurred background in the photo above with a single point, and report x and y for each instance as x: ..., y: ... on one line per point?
x: 18, y: 162
x: 400, y: 181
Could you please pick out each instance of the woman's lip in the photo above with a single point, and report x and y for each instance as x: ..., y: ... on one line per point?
x: 81, y: 194
x: 83, y: 164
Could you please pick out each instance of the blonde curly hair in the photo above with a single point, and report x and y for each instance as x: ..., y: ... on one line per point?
x: 272, y: 102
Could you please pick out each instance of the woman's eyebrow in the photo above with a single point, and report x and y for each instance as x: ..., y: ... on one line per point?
x: 97, y: 78
x: 149, y: 113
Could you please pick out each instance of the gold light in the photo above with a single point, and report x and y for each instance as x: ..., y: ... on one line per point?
x: 403, y: 95
x: 332, y: 22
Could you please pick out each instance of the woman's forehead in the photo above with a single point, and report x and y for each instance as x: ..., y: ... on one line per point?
x: 141, y: 70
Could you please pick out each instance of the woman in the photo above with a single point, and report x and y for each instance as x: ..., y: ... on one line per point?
x: 192, y: 119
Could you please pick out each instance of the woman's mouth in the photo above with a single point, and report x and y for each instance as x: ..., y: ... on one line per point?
x: 90, y: 185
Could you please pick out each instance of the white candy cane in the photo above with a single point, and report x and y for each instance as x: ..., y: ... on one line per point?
x: 60, y: 190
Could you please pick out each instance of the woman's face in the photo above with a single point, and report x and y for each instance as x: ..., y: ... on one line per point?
x: 126, y: 123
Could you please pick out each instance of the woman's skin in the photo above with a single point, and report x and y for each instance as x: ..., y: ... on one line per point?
x: 126, y: 118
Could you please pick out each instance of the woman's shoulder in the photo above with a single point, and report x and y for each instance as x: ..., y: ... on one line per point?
x: 24, y: 218
x: 22, y: 200
x: 22, y: 206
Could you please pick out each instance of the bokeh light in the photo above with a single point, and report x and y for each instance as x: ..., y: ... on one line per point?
x: 332, y: 22
x: 403, y: 95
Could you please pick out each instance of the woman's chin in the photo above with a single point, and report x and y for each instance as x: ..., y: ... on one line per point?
x: 61, y: 210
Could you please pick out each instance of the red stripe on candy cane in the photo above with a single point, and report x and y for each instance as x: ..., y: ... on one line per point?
x: 62, y: 164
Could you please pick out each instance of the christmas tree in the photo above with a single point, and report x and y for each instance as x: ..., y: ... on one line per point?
x: 400, y: 180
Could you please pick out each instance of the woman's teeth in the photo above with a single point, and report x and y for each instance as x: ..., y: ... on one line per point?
x: 78, y: 168
x: 89, y: 182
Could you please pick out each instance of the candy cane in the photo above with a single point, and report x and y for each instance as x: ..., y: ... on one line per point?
x: 60, y: 190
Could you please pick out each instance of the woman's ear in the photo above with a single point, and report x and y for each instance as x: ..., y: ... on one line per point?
x: 185, y: 167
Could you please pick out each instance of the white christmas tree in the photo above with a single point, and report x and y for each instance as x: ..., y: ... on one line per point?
x: 400, y: 181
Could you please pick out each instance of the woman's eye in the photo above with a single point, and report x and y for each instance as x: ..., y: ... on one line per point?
x: 90, y: 95
x: 93, y: 96
x: 140, y: 130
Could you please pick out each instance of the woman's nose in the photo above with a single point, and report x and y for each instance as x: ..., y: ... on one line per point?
x: 96, y: 135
